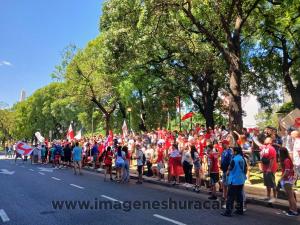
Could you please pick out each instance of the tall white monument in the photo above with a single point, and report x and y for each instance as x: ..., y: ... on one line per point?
x: 22, y: 96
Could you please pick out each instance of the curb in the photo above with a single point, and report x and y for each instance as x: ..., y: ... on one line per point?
x: 251, y: 199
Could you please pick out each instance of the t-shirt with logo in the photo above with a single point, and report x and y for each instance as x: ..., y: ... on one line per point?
x: 213, y: 159
x: 269, y: 152
x: 288, y: 165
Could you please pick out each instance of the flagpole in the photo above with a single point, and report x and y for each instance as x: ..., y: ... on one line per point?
x: 191, y: 123
x: 179, y: 113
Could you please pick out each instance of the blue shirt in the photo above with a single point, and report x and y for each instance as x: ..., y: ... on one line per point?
x: 237, y: 174
x: 77, y: 153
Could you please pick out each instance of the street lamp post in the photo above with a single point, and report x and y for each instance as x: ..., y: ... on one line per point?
x: 93, y: 122
x: 129, y: 112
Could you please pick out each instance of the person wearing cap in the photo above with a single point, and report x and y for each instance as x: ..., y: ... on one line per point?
x: 269, y: 167
x: 226, y: 158
x: 236, y: 180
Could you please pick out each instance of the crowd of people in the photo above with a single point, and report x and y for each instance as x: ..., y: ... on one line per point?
x: 208, y: 158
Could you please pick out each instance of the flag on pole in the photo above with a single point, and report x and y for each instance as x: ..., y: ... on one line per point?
x: 40, y: 138
x: 23, y: 148
x: 188, y: 115
x: 110, y: 139
x: 124, y: 129
x: 70, y: 134
x: 78, y: 135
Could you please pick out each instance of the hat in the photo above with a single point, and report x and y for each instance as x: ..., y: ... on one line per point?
x: 225, y: 142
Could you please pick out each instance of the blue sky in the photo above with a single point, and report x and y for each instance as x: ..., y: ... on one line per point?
x: 33, y: 34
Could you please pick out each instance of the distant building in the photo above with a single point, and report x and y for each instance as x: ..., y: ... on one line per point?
x: 22, y: 96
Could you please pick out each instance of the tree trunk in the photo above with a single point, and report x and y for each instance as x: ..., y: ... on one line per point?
x: 107, y: 123
x: 122, y: 110
x: 288, y: 82
x: 209, y: 116
x: 235, y: 104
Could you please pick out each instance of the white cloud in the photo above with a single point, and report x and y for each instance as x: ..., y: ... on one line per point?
x: 5, y: 63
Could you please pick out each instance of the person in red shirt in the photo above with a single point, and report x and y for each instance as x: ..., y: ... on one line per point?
x: 160, y: 161
x: 108, y: 156
x: 287, y: 180
x: 269, y: 168
x: 213, y: 168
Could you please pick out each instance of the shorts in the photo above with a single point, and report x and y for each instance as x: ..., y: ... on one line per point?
x: 67, y: 159
x: 214, y: 178
x: 77, y: 162
x: 288, y: 187
x: 95, y: 157
x: 140, y: 169
x: 120, y: 164
x: 225, y: 179
x: 160, y: 166
x: 197, y: 165
x: 269, y: 180
x: 57, y: 158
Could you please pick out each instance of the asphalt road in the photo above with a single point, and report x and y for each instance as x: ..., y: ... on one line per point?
x: 27, y: 192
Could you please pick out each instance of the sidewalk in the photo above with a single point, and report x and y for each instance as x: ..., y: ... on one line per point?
x: 255, y: 195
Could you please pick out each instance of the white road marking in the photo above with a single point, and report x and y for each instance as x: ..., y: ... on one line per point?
x: 74, y: 185
x: 110, y: 198
x: 42, y: 169
x: 54, y: 178
x: 3, y: 216
x: 22, y: 166
x: 41, y: 173
x: 7, y: 172
x: 168, y: 219
x: 31, y: 169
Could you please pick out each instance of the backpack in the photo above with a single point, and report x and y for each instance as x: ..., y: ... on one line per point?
x: 225, y: 160
x: 265, y: 160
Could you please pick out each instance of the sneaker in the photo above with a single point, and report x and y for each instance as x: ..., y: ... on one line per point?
x: 291, y: 213
x: 238, y: 212
x: 272, y: 200
x: 226, y: 214
x: 212, y: 197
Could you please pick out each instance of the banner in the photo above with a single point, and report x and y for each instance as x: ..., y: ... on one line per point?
x: 23, y: 148
x: 40, y: 138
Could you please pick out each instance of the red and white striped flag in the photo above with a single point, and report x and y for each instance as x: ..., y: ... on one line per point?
x: 23, y: 148
x: 70, y: 134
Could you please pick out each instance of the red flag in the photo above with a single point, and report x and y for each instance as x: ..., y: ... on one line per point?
x: 297, y: 122
x: 188, y: 115
x: 110, y: 138
x: 70, y: 134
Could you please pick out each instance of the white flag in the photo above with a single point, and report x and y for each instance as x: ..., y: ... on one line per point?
x: 78, y: 135
x: 124, y: 129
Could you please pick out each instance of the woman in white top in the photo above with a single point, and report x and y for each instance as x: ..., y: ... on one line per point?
x: 187, y: 164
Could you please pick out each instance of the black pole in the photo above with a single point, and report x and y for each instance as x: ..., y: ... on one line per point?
x: 179, y: 114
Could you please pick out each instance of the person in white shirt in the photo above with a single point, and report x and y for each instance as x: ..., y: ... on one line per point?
x: 296, y: 151
x: 287, y: 141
